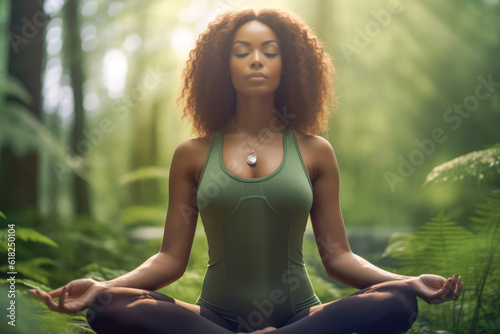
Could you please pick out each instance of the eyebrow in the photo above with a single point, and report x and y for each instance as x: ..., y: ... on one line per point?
x: 263, y: 43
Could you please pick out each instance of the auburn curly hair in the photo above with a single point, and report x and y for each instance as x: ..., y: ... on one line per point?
x: 305, y: 89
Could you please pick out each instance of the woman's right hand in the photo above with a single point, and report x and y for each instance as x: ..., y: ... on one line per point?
x: 73, y: 297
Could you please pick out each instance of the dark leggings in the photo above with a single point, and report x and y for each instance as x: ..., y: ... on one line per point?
x: 389, y: 307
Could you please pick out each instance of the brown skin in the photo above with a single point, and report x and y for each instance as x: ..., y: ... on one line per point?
x: 253, y: 113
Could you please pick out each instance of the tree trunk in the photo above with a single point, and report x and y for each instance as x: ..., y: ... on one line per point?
x: 74, y: 58
x: 19, y: 177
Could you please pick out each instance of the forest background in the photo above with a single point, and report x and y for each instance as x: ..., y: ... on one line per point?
x: 88, y: 126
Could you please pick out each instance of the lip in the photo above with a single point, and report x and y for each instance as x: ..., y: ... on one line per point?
x: 256, y: 75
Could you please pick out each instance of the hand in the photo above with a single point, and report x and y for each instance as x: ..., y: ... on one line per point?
x: 73, y: 297
x: 435, y: 289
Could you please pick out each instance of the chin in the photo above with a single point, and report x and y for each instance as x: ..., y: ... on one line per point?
x: 256, y: 92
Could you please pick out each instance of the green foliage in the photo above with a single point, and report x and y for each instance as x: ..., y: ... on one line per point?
x: 33, y: 268
x: 144, y: 173
x: 141, y: 215
x: 24, y: 132
x: 439, y: 246
x: 12, y: 86
x: 482, y: 167
x: 443, y: 247
x: 31, y: 316
x: 27, y: 234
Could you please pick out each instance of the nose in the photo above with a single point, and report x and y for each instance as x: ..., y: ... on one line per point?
x: 256, y: 62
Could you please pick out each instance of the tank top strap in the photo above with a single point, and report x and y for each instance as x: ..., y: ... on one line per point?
x: 294, y: 154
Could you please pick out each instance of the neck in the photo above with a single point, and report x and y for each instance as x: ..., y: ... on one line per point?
x: 254, y: 115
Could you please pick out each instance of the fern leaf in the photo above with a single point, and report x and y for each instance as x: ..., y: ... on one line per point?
x: 487, y: 219
x: 144, y: 173
x: 31, y: 284
x: 438, y: 246
x: 33, y: 268
x: 12, y: 86
x: 481, y: 166
x: 20, y: 129
x: 29, y: 234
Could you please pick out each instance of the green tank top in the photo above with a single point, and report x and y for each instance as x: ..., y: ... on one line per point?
x: 256, y: 276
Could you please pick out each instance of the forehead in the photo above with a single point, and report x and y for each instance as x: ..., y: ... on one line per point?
x: 254, y: 32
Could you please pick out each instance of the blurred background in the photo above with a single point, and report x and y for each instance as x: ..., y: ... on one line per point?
x: 89, y: 124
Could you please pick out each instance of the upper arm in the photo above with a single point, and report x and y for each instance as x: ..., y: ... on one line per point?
x: 326, y: 215
x: 182, y: 214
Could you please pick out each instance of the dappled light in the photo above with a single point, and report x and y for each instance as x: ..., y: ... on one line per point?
x: 89, y: 126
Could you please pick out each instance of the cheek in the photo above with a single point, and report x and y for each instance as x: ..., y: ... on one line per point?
x: 235, y: 66
x: 277, y: 66
x: 276, y: 70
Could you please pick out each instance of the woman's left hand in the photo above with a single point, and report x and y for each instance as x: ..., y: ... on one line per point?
x: 435, y: 289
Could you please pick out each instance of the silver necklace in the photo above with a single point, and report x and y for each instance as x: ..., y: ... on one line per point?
x: 252, y: 158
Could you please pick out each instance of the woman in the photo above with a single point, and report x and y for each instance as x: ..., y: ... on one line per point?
x: 257, y: 87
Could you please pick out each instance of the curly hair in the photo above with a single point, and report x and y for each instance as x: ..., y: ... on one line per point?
x: 306, y: 87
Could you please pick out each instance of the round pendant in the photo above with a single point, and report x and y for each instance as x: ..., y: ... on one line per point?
x: 251, y: 159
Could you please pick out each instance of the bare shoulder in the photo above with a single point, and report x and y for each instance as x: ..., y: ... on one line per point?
x: 317, y: 153
x: 192, y: 153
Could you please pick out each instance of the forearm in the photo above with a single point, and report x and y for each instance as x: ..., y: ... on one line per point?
x: 156, y: 272
x: 354, y: 271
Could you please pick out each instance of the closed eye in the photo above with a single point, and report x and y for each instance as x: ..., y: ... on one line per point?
x: 270, y: 55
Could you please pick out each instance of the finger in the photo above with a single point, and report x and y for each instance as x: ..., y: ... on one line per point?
x: 32, y: 292
x: 57, y: 292
x: 61, y: 299
x: 459, y: 288
x: 448, y: 295
x: 47, y: 299
x: 439, y: 296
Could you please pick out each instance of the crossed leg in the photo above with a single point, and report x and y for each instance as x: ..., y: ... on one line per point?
x: 129, y: 310
x: 385, y: 308
x: 389, y: 307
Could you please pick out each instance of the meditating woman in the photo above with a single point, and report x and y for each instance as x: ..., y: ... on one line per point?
x: 257, y: 87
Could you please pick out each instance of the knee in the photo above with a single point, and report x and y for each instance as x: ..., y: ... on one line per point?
x: 404, y: 300
x: 101, y: 310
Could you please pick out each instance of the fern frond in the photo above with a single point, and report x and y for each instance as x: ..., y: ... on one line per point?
x: 481, y: 166
x: 29, y: 234
x: 20, y: 129
x: 487, y: 219
x: 33, y: 268
x: 12, y: 86
x: 25, y: 234
x: 438, y: 246
x: 30, y: 284
x: 144, y: 173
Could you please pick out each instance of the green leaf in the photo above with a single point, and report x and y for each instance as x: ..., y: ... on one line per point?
x: 29, y: 234
x: 30, y: 284
x: 33, y: 268
x: 24, y: 132
x: 144, y: 173
x: 479, y: 166
x: 2, y: 215
x: 438, y: 246
x: 12, y: 86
